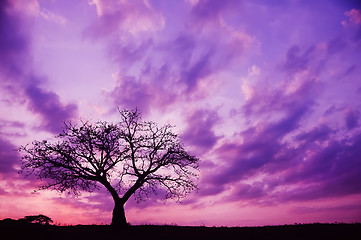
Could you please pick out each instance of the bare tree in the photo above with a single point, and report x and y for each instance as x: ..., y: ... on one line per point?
x: 132, y: 157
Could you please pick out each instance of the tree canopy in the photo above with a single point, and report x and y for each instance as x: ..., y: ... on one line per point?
x: 131, y: 157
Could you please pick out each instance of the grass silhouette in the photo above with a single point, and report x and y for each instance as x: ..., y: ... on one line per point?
x: 15, y: 230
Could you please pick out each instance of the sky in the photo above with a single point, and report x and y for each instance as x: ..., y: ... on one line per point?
x: 266, y: 93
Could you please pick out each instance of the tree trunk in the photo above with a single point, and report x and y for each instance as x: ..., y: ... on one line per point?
x: 119, y: 220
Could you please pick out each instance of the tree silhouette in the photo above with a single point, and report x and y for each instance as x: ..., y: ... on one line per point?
x: 132, y: 157
x: 39, y: 219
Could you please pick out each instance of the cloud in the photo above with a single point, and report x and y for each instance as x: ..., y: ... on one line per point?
x: 13, y: 43
x: 199, y: 134
x: 207, y: 189
x: 135, y: 17
x: 30, y: 8
x: 50, y: 108
x: 297, y: 61
x: 9, y: 157
x: 336, y: 45
x: 162, y: 69
x: 53, y: 17
x: 295, y: 93
x: 131, y: 93
x: 18, y: 75
x: 265, y: 168
x: 331, y: 171
x: 353, y: 24
x: 11, y: 128
x: 128, y: 52
x: 269, y: 172
x: 284, y: 154
x: 259, y: 159
x: 351, y: 119
x: 319, y: 133
x: 258, y: 149
x: 354, y: 16
x: 205, y: 11
x: 254, y: 191
x: 286, y: 131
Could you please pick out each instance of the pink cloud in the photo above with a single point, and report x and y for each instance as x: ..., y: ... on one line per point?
x: 354, y: 16
x: 134, y: 17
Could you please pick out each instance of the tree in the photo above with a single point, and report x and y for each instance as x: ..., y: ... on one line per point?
x: 132, y: 157
x: 39, y: 219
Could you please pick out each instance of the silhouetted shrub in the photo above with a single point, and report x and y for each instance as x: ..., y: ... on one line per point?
x: 8, y: 221
x: 39, y: 219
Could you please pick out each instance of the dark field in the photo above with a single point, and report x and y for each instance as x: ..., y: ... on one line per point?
x: 88, y: 232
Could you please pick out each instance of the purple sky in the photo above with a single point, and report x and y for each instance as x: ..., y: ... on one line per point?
x: 266, y: 93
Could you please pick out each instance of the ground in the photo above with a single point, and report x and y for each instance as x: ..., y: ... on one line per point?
x: 88, y: 232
